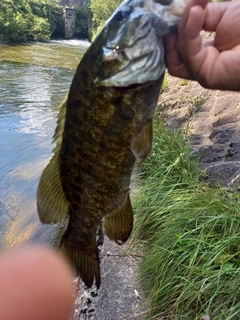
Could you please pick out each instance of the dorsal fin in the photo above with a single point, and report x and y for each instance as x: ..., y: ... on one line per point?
x: 51, y: 202
x: 141, y: 145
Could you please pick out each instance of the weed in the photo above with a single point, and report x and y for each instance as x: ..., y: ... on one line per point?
x: 165, y: 83
x: 189, y: 234
x: 183, y: 82
x: 194, y: 103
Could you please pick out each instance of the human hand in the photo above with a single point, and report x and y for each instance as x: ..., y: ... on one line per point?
x: 35, y: 284
x: 214, y: 64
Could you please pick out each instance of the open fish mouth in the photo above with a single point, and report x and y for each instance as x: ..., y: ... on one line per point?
x: 133, y: 52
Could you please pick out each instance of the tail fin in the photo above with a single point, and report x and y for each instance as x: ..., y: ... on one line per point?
x: 87, y: 266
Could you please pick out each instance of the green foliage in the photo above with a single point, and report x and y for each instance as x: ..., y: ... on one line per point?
x: 82, y: 21
x: 54, y: 14
x: 102, y: 10
x: 40, y: 29
x: 165, y: 83
x: 188, y: 234
x: 183, y: 82
x: 16, y: 19
x: 20, y: 19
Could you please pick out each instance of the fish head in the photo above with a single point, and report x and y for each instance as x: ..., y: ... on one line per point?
x: 132, y: 46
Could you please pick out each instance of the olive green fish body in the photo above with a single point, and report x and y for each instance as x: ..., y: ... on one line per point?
x: 96, y: 160
x: 104, y: 126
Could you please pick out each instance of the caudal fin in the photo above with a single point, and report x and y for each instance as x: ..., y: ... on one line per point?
x: 87, y: 266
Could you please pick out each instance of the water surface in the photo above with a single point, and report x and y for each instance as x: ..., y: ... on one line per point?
x: 34, y: 78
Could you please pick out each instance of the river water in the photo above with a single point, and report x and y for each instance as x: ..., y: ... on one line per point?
x: 34, y: 78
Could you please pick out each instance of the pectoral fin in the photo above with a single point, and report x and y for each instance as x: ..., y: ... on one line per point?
x: 119, y: 223
x: 141, y: 145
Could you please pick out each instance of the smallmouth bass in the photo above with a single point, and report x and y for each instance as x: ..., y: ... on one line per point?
x: 104, y: 126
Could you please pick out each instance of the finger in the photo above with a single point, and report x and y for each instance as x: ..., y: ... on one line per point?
x: 215, y: 12
x: 186, y: 13
x: 189, y: 40
x: 201, y: 3
x: 226, y: 24
x: 36, y: 284
x: 174, y: 62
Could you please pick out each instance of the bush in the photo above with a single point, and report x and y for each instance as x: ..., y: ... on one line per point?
x: 82, y: 21
x: 102, y: 10
x: 20, y: 20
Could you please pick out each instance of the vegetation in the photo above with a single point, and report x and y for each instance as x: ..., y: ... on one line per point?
x: 51, y: 12
x: 24, y: 19
x: 188, y: 234
x: 83, y: 15
x: 18, y: 22
x: 102, y: 10
x: 38, y: 20
x: 165, y: 83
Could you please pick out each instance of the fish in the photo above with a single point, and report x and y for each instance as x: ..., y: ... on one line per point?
x: 104, y: 127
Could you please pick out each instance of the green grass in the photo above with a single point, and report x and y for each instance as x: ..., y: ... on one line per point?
x: 165, y: 83
x: 188, y: 234
x: 183, y: 82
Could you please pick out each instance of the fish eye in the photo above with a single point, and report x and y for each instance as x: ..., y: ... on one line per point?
x: 122, y: 15
x: 164, y: 2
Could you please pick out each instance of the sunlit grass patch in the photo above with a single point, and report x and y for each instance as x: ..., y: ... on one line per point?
x: 189, y: 236
x: 165, y: 83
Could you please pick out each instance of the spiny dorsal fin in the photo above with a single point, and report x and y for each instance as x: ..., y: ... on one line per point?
x: 119, y: 223
x: 141, y: 145
x: 87, y: 266
x: 51, y: 202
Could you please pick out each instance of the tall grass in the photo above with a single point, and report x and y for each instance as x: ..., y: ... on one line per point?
x: 189, y: 235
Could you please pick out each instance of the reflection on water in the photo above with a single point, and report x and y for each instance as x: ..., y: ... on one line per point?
x: 30, y: 95
x: 54, y: 54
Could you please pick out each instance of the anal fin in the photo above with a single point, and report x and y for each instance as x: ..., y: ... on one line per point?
x: 118, y: 224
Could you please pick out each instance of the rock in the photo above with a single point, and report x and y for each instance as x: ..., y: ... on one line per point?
x: 211, y: 120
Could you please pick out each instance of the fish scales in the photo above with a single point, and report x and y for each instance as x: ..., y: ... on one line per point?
x: 103, y: 127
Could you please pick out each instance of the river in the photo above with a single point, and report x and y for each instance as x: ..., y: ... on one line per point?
x: 34, y: 78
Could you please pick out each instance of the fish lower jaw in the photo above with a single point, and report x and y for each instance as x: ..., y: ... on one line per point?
x: 139, y: 71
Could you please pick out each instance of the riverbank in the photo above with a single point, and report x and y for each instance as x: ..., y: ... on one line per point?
x: 187, y: 213
x: 210, y: 120
x: 209, y: 123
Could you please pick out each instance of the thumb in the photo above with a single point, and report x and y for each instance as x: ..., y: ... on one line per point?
x: 36, y: 284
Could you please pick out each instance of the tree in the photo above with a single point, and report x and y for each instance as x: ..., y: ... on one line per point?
x: 102, y: 10
x: 82, y: 21
x: 19, y: 20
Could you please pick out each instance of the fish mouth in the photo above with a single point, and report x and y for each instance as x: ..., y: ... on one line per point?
x: 133, y: 52
x: 135, y: 65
